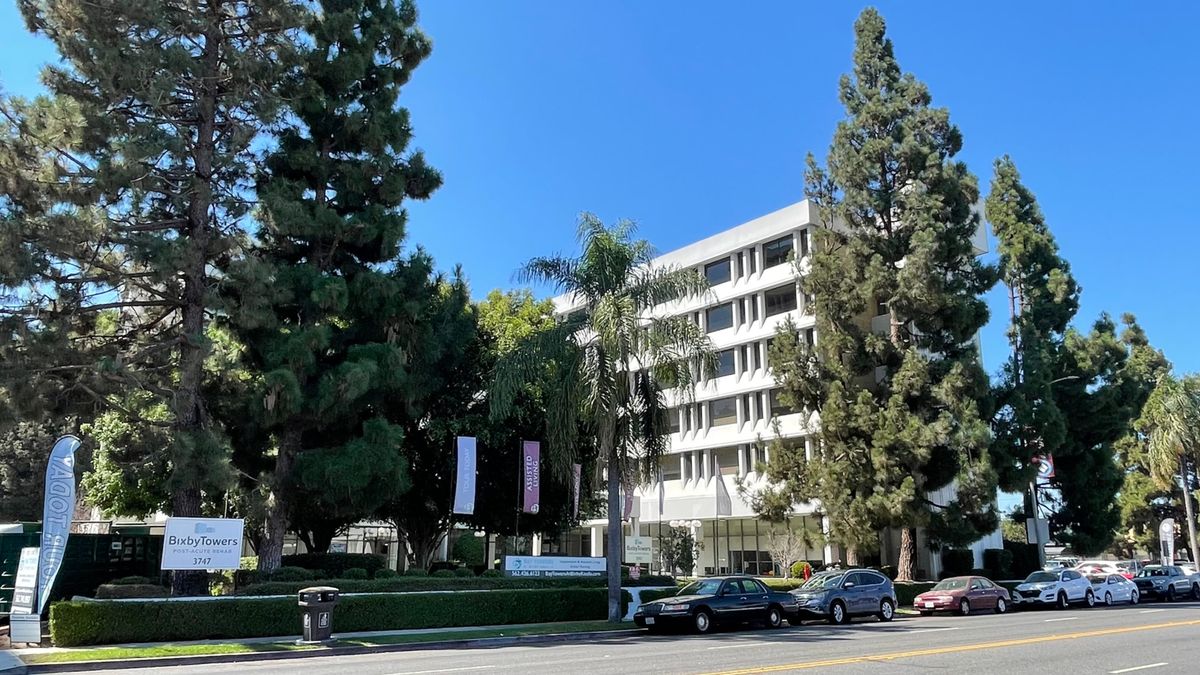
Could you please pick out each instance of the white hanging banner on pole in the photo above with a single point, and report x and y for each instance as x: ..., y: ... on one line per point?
x: 56, y: 514
x: 464, y: 486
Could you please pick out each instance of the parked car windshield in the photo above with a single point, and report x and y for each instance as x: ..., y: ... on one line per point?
x: 701, y: 587
x: 1039, y: 577
x: 1154, y: 572
x: 823, y: 581
x: 950, y: 585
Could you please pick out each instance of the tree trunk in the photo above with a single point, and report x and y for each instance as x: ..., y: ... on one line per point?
x: 278, y: 502
x: 186, y: 502
x: 188, y: 407
x: 852, y: 556
x: 1185, y: 477
x: 322, y: 537
x: 608, y: 449
x: 906, y: 567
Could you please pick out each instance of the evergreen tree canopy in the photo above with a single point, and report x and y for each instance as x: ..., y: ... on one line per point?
x: 901, y: 413
x: 330, y: 315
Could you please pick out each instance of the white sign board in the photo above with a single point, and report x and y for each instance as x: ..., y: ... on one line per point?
x: 202, y: 544
x: 552, y: 566
x: 639, y: 550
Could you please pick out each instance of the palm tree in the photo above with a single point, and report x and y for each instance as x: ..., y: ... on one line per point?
x: 1171, y: 421
x: 606, y: 365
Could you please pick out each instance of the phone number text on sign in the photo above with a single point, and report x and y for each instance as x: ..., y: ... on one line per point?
x: 202, y: 544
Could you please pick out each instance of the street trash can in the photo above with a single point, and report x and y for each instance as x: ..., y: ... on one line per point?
x: 317, y: 604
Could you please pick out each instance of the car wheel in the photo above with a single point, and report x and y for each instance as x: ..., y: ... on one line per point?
x: 1001, y: 605
x: 1108, y: 599
x: 964, y: 607
x: 702, y: 621
x: 1196, y: 591
x: 887, y: 610
x: 1133, y: 597
x: 1089, y: 598
x: 1063, y: 603
x: 1171, y: 594
x: 837, y: 613
x: 774, y: 618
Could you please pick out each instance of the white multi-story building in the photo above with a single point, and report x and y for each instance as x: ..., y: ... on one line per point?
x: 721, y: 435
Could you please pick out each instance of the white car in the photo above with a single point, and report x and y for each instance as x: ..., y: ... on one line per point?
x: 1113, y: 588
x: 1059, y: 588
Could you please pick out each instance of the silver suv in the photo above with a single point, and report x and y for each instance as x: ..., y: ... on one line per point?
x: 838, y: 595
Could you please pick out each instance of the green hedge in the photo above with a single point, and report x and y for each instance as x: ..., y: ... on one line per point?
x: 907, y: 590
x: 657, y: 594
x: 115, y: 591
x: 777, y: 584
x: 93, y: 623
x: 334, y: 564
x: 443, y: 583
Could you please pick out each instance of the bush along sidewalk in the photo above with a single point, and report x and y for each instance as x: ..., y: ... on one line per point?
x: 75, y: 624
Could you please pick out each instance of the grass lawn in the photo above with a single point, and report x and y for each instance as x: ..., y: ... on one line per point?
x: 127, y: 653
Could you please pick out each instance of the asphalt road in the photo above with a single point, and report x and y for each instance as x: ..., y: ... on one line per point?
x: 1148, y: 638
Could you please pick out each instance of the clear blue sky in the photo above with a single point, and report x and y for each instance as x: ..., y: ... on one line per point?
x: 692, y: 117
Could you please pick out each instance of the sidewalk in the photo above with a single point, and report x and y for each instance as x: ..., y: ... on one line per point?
x: 159, y: 654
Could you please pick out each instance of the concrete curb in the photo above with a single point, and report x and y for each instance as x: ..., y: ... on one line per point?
x: 167, y: 661
x: 10, y: 664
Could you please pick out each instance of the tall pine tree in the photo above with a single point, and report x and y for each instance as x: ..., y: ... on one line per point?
x: 136, y: 171
x: 902, y: 409
x: 1062, y: 392
x: 326, y: 306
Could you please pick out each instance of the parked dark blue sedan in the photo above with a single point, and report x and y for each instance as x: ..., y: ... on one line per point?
x: 704, y: 603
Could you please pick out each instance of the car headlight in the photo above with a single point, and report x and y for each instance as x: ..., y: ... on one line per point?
x: 675, y: 609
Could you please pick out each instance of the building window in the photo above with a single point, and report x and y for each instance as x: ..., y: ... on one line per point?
x: 726, y: 459
x: 810, y: 337
x: 780, y: 300
x: 757, y: 356
x: 687, y: 419
x: 777, y: 252
x: 722, y: 411
x: 753, y: 261
x: 748, y: 411
x: 673, y: 420
x: 719, y: 317
x: 725, y: 363
x: 741, y: 264
x: 754, y: 308
x: 741, y: 311
x: 778, y: 407
x: 670, y: 471
x: 745, y: 358
x: 804, y: 242
x: 717, y: 272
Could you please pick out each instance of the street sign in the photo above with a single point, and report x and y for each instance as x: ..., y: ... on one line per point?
x: 202, y: 544
x: 553, y: 566
x: 639, y: 550
x: 1045, y: 464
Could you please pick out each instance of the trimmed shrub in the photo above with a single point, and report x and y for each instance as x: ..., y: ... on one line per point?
x: 250, y: 564
x: 416, y: 572
x: 782, y: 584
x: 131, y: 581
x: 468, y: 549
x: 92, y: 623
x: 491, y: 574
x: 422, y: 581
x: 443, y: 574
x: 464, y: 572
x: 657, y: 594
x: 798, y: 568
x: 386, y: 573
x: 1025, y: 558
x: 907, y: 590
x: 355, y: 573
x: 334, y: 565
x: 998, y: 562
x: 291, y: 574
x: 957, y: 562
x: 121, y: 591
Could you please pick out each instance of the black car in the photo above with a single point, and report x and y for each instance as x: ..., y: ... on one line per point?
x: 704, y: 603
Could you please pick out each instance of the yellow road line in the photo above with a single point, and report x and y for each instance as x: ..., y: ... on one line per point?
x: 955, y: 649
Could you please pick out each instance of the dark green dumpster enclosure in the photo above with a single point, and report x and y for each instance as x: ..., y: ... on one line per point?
x: 90, y: 560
